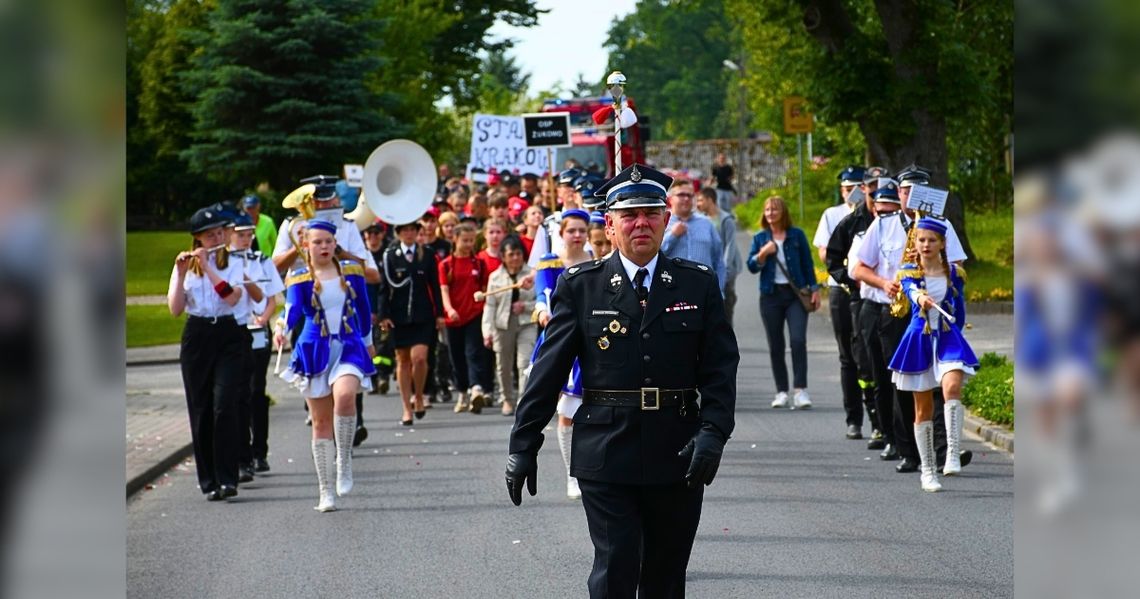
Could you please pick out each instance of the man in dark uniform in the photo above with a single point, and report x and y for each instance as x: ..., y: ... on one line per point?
x: 838, y: 246
x: 651, y: 337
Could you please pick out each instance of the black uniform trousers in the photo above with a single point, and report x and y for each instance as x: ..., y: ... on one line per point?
x: 215, y: 360
x: 642, y: 535
x: 870, y: 315
x: 259, y: 404
x: 863, y: 367
x: 848, y: 373
x: 890, y: 331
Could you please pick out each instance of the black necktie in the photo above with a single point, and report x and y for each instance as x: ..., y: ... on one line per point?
x: 639, y: 284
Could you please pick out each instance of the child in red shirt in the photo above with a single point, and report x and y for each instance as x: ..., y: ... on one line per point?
x: 460, y: 275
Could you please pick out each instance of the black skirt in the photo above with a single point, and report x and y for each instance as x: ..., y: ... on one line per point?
x: 416, y: 333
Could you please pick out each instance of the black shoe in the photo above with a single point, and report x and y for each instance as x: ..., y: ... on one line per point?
x: 907, y: 465
x: 245, y: 473
x: 420, y: 414
x: 445, y: 397
x: 889, y: 453
x: 260, y: 465
x: 360, y: 435
x: 215, y: 495
x: 408, y: 422
x: 228, y: 491
x: 384, y: 387
x: 854, y: 431
x: 877, y: 440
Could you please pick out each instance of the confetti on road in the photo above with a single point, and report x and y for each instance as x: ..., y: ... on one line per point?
x: 290, y: 460
x: 399, y: 434
x: 866, y: 459
x: 455, y: 453
x: 516, y: 542
x: 423, y: 441
x: 375, y: 451
x: 753, y: 446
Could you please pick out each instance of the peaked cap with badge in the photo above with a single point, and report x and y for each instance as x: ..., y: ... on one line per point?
x: 638, y: 186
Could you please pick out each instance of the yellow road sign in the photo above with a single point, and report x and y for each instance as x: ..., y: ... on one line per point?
x: 796, y: 117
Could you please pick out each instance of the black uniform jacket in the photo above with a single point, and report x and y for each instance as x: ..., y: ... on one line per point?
x: 405, y: 303
x: 682, y: 341
x: 840, y: 243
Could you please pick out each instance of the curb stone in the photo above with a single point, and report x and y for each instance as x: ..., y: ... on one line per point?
x: 995, y: 434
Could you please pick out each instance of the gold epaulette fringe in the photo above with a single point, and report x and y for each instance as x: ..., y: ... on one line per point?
x: 544, y: 264
x: 351, y: 268
x: 300, y: 277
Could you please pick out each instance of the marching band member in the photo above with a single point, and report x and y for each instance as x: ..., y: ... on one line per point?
x: 208, y: 285
x: 330, y: 361
x: 932, y: 351
x: 254, y: 433
x: 574, y: 226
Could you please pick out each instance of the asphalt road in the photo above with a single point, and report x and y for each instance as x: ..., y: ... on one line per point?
x: 796, y: 510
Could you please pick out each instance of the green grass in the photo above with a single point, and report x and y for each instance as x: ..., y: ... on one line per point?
x: 990, y: 393
x: 150, y: 258
x: 152, y: 325
x: 990, y: 274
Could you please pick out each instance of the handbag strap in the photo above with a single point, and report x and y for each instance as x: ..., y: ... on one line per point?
x: 791, y: 280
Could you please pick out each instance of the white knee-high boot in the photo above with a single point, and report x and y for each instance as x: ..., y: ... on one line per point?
x: 323, y: 459
x: 565, y: 443
x: 344, y: 427
x: 955, y: 414
x: 924, y: 438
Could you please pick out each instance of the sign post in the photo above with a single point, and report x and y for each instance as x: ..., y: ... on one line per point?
x: 799, y: 121
x: 547, y: 130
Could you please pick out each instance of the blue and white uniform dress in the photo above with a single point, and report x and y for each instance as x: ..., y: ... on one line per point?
x: 548, y: 269
x: 931, y: 345
x: 337, y: 321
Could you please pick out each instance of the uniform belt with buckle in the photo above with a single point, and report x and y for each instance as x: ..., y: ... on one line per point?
x: 646, y: 398
x: 224, y: 319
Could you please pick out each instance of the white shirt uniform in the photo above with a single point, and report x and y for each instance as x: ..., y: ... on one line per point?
x: 347, y: 237
x: 201, y: 299
x: 261, y: 271
x: 826, y: 227
x: 883, y: 247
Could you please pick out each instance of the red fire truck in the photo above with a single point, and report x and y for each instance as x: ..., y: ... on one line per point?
x: 593, y: 145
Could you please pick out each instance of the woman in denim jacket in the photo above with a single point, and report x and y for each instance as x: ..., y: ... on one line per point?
x: 779, y: 241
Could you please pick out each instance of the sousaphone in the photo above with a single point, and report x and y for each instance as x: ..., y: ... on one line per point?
x: 399, y: 184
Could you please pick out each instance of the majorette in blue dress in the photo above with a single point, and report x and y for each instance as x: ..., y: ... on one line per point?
x: 547, y: 271
x: 931, y: 345
x: 327, y: 346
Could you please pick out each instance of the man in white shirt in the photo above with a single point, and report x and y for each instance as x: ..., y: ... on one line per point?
x: 839, y: 301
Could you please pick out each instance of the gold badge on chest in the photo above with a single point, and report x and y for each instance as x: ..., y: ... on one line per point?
x: 615, y: 326
x: 603, y: 343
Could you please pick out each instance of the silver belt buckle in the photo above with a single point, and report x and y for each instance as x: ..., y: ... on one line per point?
x: 653, y: 392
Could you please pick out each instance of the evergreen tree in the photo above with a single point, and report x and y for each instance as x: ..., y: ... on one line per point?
x: 280, y: 90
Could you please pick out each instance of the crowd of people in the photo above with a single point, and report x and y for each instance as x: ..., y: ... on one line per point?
x: 453, y: 306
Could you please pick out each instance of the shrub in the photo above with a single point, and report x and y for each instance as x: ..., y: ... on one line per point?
x: 990, y: 393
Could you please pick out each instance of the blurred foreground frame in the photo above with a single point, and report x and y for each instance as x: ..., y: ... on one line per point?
x: 62, y: 187
x: 1077, y: 195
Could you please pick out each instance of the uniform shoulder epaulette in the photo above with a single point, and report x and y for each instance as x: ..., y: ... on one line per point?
x: 551, y: 263
x: 693, y: 265
x: 583, y: 267
x: 910, y: 270
x: 959, y: 271
x: 348, y: 267
x: 301, y: 275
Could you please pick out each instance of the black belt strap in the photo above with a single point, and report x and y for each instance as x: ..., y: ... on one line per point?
x: 646, y: 398
x: 227, y: 319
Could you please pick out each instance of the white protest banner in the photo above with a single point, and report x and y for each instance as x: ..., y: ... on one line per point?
x: 499, y: 142
x: 927, y: 200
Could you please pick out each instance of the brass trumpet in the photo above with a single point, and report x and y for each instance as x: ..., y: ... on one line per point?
x: 480, y: 295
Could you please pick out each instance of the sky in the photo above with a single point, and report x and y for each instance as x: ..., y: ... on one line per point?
x: 567, y: 40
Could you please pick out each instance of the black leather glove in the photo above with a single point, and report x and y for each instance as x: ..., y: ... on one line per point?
x: 704, y: 451
x: 523, y: 467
